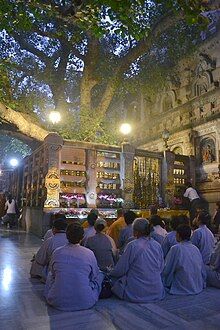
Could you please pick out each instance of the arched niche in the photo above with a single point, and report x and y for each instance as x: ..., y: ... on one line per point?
x: 202, y: 84
x: 168, y: 101
x: 178, y: 150
x: 207, y: 150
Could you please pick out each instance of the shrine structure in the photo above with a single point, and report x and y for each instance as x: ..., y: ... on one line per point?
x: 71, y: 177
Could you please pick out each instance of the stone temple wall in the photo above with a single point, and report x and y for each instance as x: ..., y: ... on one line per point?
x: 190, y: 111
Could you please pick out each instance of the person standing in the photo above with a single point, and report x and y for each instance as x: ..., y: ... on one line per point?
x: 2, y: 204
x: 11, y: 211
x: 193, y: 198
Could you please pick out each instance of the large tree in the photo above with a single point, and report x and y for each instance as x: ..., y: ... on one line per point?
x: 74, y: 56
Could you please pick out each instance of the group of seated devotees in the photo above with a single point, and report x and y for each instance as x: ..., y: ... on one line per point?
x: 183, y: 263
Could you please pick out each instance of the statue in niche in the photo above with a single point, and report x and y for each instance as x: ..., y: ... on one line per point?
x: 167, y: 102
x: 178, y: 151
x: 207, y: 151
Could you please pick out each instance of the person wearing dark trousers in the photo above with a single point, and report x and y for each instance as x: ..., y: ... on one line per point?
x: 194, y: 199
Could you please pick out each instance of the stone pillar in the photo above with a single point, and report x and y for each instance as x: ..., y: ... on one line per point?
x: 91, y: 163
x: 127, y: 177
x: 167, y: 177
x: 53, y: 144
x: 192, y: 172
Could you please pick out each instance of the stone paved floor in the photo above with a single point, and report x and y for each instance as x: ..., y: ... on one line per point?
x: 22, y: 305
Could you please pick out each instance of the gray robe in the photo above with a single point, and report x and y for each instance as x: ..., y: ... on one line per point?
x: 75, y: 280
x: 138, y: 272
x: 205, y: 242
x: 213, y: 272
x: 124, y: 237
x: 168, y: 242
x: 184, y: 272
x: 42, y: 258
x: 157, y: 237
x: 104, y: 249
x: 88, y: 232
x: 48, y: 234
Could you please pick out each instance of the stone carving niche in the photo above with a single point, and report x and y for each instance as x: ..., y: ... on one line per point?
x: 207, y: 151
x: 203, y: 81
x: 168, y: 101
x: 178, y: 150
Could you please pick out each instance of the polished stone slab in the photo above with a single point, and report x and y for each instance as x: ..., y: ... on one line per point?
x: 22, y: 305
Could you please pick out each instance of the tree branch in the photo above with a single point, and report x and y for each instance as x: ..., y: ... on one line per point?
x: 24, y: 123
x: 145, y: 44
x: 124, y: 64
x: 106, y: 98
x: 30, y: 48
x: 76, y: 52
x: 88, y: 79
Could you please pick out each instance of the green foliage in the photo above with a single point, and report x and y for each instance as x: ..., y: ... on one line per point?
x: 191, y: 8
x: 41, y: 34
x: 5, y: 85
x: 11, y: 147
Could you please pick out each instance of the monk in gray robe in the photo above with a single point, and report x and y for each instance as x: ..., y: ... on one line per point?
x: 213, y: 271
x: 103, y: 246
x: 90, y: 231
x: 40, y: 263
x: 170, y: 239
x: 158, y: 233
x: 137, y: 274
x: 127, y: 232
x: 74, y: 282
x: 184, y: 272
x: 48, y: 234
x: 203, y: 237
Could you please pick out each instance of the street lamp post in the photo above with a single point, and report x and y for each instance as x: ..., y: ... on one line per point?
x: 166, y: 136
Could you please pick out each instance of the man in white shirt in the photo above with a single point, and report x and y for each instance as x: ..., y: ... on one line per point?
x: 194, y: 199
x: 11, y: 212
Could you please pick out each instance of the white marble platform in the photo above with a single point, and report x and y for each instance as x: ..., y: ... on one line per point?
x: 22, y: 305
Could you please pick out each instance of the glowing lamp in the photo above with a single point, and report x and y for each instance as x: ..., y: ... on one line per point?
x: 125, y: 128
x: 13, y: 162
x: 55, y: 117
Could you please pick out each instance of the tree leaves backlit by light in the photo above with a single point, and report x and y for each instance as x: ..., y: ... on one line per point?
x: 80, y: 57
